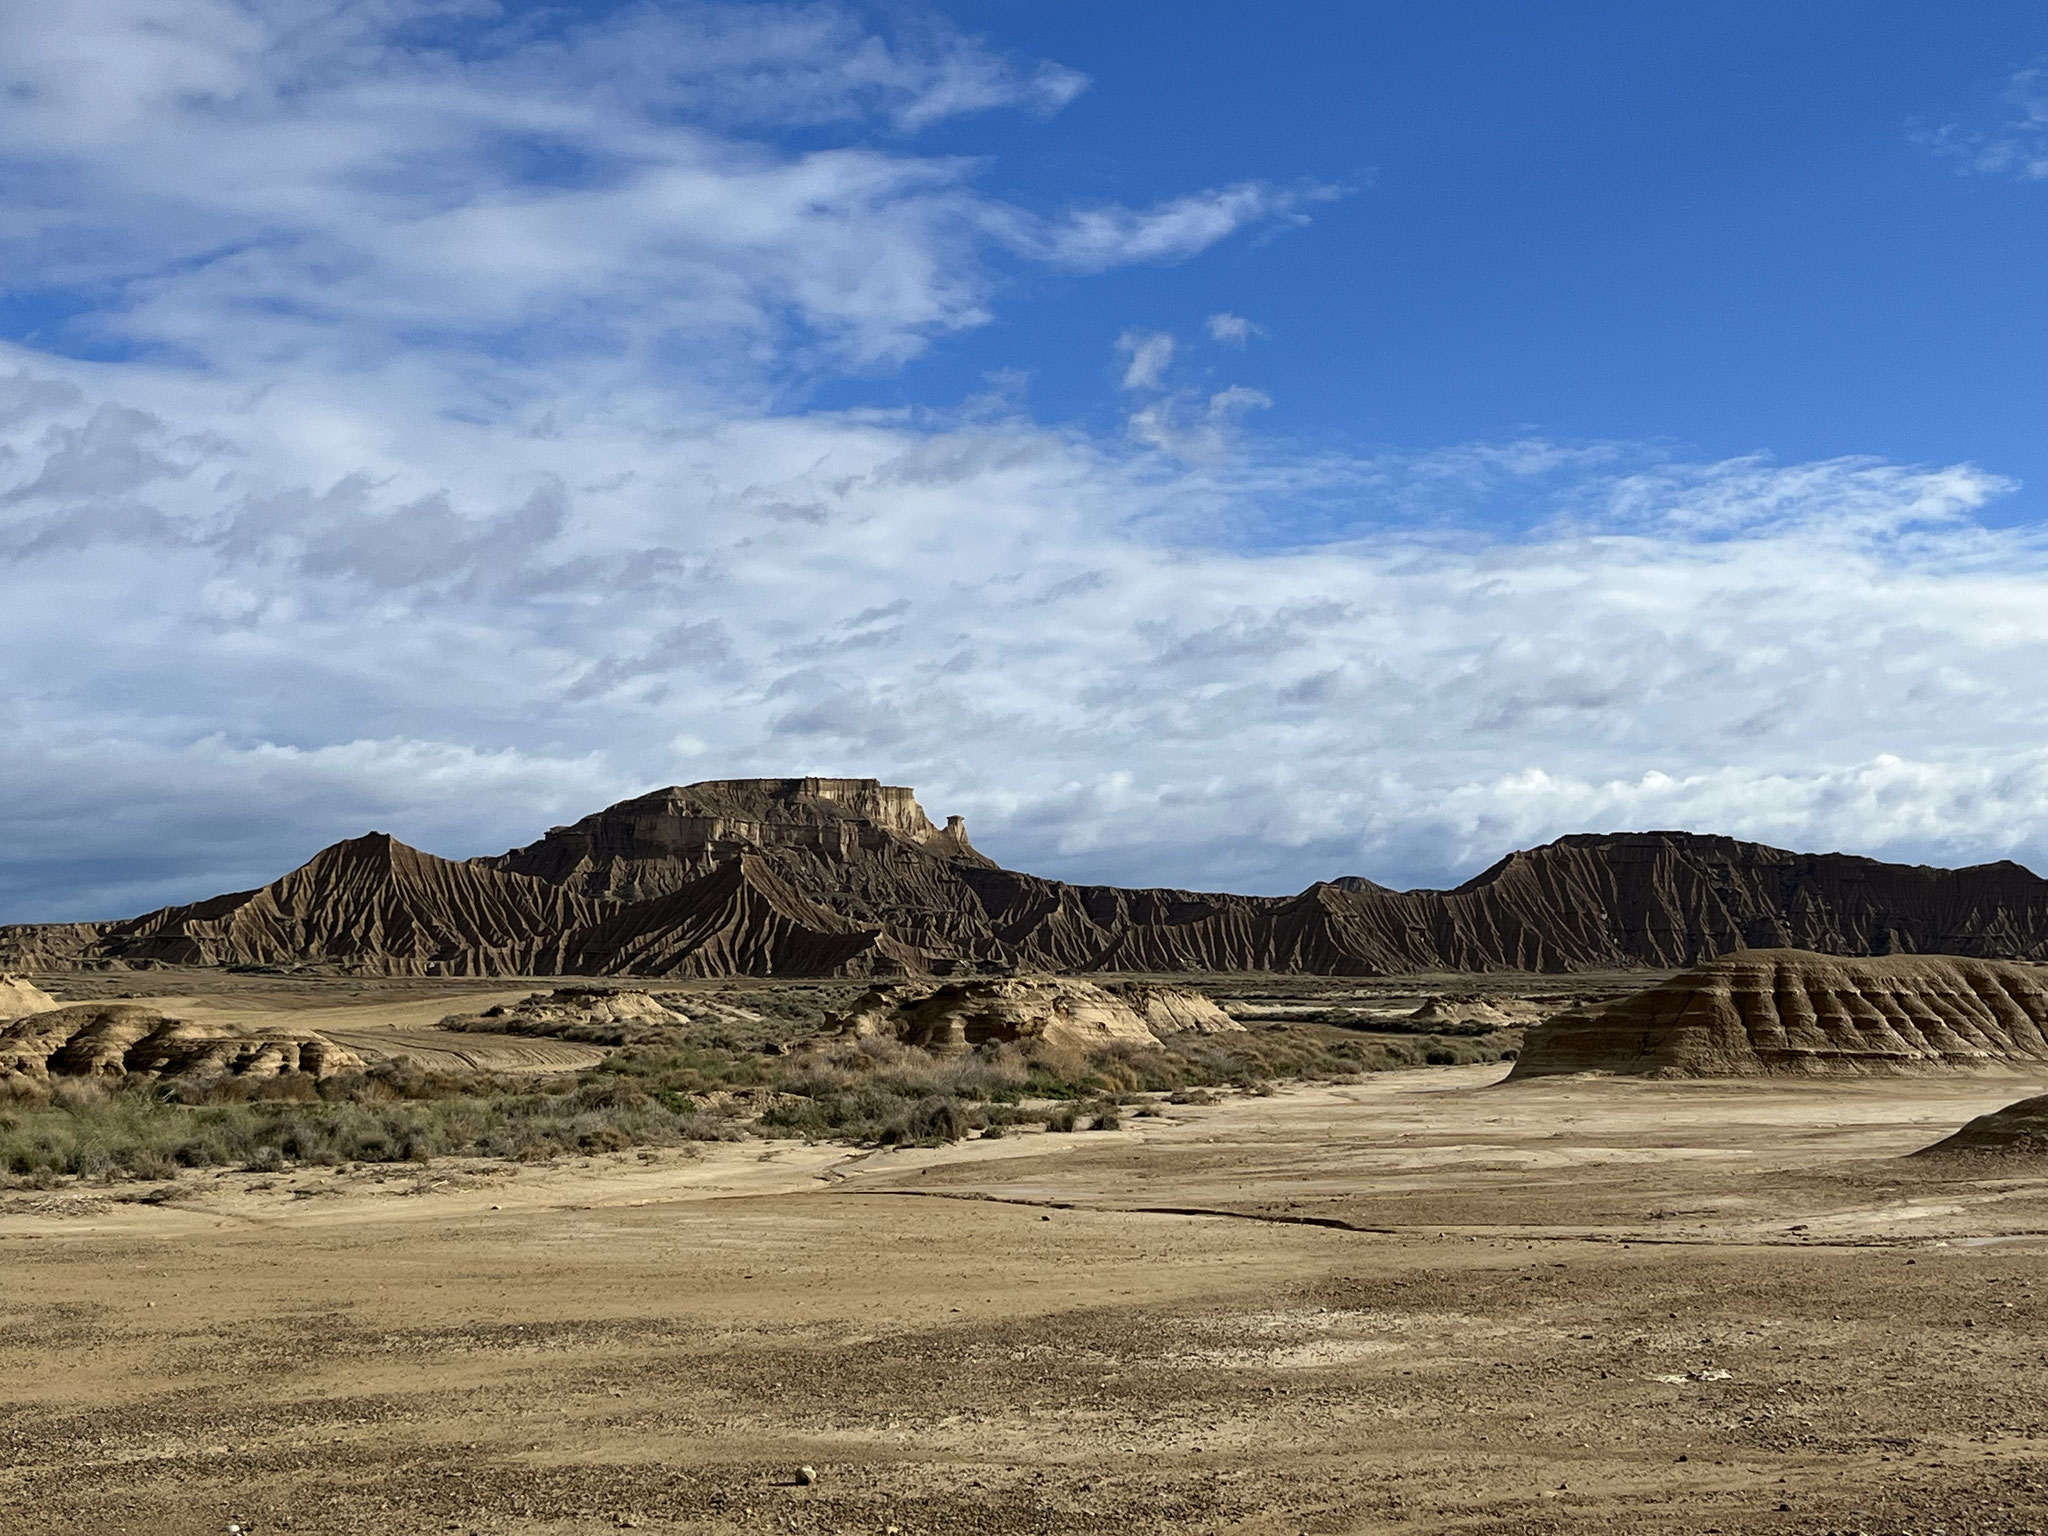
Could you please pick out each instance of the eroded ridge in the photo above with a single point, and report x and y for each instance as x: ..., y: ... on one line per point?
x: 1790, y: 1012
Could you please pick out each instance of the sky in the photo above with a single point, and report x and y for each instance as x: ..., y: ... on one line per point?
x: 1204, y: 444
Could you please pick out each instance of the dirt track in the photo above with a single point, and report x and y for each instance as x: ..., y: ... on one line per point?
x: 1566, y: 1305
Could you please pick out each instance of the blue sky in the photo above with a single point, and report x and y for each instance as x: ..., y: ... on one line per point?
x: 1204, y: 444
x: 1710, y: 227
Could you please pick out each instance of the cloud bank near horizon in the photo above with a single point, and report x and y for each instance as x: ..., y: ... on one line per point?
x: 412, y: 444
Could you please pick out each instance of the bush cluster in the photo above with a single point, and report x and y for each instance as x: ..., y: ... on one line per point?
x: 870, y: 1091
x: 390, y: 1114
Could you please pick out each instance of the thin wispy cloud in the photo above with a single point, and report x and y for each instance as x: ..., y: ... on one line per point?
x: 2010, y: 140
x: 1096, y: 239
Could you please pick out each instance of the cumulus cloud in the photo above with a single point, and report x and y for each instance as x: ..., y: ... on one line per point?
x: 1189, y: 426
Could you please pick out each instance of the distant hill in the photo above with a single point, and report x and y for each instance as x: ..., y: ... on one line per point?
x: 849, y: 877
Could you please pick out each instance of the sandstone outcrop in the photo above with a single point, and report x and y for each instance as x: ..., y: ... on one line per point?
x: 112, y: 1041
x: 1176, y: 1010
x: 957, y: 1016
x: 849, y: 877
x: 1795, y: 1013
x: 20, y: 998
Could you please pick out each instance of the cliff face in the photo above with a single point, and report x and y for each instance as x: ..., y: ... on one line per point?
x: 850, y: 877
x: 822, y: 833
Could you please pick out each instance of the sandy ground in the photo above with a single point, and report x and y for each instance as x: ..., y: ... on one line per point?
x: 1422, y: 1303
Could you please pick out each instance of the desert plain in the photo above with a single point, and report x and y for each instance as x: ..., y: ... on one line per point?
x: 1421, y: 1301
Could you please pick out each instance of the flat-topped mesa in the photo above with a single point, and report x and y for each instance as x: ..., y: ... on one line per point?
x: 656, y: 843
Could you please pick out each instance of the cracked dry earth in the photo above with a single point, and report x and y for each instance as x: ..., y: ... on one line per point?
x: 1422, y: 1303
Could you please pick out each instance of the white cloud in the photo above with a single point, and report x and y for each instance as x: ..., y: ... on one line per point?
x: 2015, y: 145
x: 1096, y: 239
x: 1189, y: 427
x: 1150, y: 354
x: 445, y: 492
x: 257, y: 187
x: 1232, y: 330
x: 238, y: 632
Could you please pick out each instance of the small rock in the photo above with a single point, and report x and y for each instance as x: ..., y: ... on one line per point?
x: 806, y: 1476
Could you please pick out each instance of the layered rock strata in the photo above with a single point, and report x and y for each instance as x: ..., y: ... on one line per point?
x: 122, y: 1040
x: 371, y: 904
x: 1782, y: 1012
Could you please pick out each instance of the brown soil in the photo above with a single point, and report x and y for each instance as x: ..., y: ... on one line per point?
x: 1421, y: 1303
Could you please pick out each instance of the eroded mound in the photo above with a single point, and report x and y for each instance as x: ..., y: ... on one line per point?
x: 600, y: 1016
x: 1468, y: 1013
x: 596, y: 1015
x: 2017, y: 1131
x: 1793, y: 1013
x: 960, y: 1015
x: 123, y: 1040
x: 1176, y: 1010
x: 20, y: 998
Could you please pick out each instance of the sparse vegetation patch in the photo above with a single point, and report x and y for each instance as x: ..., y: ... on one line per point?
x: 739, y: 1073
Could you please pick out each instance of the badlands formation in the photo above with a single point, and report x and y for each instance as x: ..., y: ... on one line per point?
x: 1677, y: 1270
x: 2017, y: 1131
x: 1786, y: 1012
x: 849, y: 877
